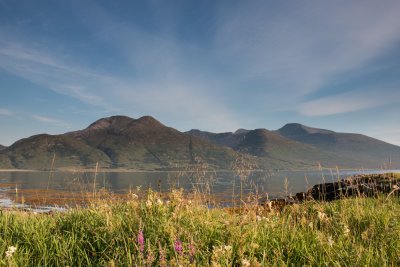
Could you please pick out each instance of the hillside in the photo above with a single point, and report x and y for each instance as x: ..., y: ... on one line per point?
x: 147, y: 144
x: 229, y: 139
x: 116, y: 142
x: 146, y: 141
x: 274, y: 150
x: 370, y: 151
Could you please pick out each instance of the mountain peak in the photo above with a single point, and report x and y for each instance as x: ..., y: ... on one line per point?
x: 109, y: 122
x: 241, y: 131
x: 149, y: 120
x: 121, y: 122
x: 291, y: 129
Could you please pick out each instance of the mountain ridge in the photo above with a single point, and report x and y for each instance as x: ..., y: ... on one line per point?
x: 146, y: 144
x: 116, y: 142
x: 312, y: 144
x: 365, y: 148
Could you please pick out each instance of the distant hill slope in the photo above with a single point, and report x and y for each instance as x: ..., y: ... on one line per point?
x: 38, y: 151
x: 116, y: 142
x: 2, y: 147
x: 369, y: 151
x: 273, y: 149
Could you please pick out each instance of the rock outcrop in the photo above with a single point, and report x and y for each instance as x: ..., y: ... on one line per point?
x: 358, y: 185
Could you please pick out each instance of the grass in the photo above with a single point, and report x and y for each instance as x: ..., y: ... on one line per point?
x: 181, y: 231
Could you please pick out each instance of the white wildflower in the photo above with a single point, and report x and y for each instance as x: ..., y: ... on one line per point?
x: 346, y: 230
x: 322, y: 216
x: 330, y: 241
x: 159, y: 202
x: 245, y: 262
x: 149, y: 203
x: 228, y: 248
x: 259, y: 218
x: 10, y: 251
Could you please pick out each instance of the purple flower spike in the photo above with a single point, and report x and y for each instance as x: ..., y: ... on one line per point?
x: 140, y: 240
x: 192, y: 252
x: 178, y: 246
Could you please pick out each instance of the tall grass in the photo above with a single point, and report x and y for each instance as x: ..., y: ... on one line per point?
x: 182, y: 231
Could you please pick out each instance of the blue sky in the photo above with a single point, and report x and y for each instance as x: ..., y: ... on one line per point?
x: 211, y: 65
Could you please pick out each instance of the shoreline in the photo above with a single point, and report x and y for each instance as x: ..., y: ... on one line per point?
x: 18, y: 170
x: 103, y: 170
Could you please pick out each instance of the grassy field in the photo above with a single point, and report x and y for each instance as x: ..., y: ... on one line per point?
x: 184, y: 232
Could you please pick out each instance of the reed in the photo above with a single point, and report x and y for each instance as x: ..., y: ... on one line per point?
x: 178, y: 230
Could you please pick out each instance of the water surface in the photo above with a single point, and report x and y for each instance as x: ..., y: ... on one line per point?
x: 67, y: 186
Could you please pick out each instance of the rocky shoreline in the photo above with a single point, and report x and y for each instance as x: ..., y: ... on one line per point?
x: 358, y: 185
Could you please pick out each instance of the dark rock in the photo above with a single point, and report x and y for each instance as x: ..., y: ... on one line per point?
x: 358, y: 185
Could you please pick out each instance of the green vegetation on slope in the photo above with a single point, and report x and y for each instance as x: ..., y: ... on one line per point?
x: 368, y: 151
x: 116, y: 142
x: 147, y: 144
x: 276, y: 151
x: 184, y: 232
x: 38, y: 152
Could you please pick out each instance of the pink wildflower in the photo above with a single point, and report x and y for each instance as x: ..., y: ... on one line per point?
x: 178, y: 246
x: 192, y: 252
x: 140, y: 240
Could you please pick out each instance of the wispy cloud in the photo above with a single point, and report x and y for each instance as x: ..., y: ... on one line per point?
x: 162, y: 79
x: 5, y: 112
x: 298, y: 48
x: 165, y: 95
x: 348, y: 102
x: 48, y: 120
x: 287, y: 49
x: 51, y: 71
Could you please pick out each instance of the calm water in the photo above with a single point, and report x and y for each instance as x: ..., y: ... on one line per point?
x: 222, y: 184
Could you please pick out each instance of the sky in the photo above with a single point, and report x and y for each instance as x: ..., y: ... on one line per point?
x: 210, y: 65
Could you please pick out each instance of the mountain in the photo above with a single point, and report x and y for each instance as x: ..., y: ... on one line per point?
x: 38, y: 151
x: 369, y: 151
x: 116, y: 142
x: 5, y: 162
x: 129, y: 142
x: 226, y: 139
x: 147, y: 144
x: 273, y: 149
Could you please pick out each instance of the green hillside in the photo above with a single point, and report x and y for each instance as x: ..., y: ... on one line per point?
x: 146, y: 144
x: 368, y: 151
x: 116, y: 142
x: 37, y: 152
x: 274, y: 150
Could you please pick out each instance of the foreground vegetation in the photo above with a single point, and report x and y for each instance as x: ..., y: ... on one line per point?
x: 184, y: 232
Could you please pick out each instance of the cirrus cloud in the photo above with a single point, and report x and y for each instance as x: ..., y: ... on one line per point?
x: 5, y: 112
x: 348, y: 102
